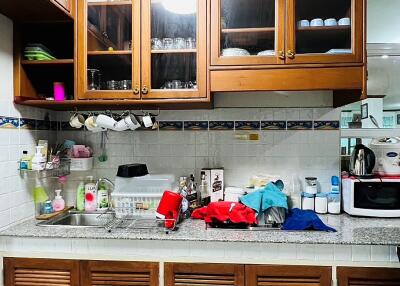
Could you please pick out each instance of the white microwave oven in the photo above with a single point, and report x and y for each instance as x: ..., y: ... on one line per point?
x: 378, y: 197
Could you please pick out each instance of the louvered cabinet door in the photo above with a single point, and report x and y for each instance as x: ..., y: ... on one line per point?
x: 367, y: 276
x: 283, y: 275
x: 196, y: 274
x: 40, y: 272
x: 116, y: 273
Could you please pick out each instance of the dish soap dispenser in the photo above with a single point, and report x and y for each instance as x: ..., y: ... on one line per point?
x: 90, y: 195
x: 80, y: 197
x: 58, y: 202
x: 38, y: 161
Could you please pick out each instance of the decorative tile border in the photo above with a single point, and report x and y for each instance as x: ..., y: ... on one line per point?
x: 247, y: 125
x: 326, y: 125
x: 195, y: 125
x: 273, y: 125
x: 170, y: 125
x: 299, y: 125
x: 221, y: 125
x: 9, y: 122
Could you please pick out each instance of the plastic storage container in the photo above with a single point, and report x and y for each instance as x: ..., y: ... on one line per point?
x: 81, y: 164
x: 308, y: 201
x: 321, y: 203
x: 334, y: 200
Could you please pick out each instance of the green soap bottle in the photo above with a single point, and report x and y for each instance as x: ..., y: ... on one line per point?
x: 80, y: 197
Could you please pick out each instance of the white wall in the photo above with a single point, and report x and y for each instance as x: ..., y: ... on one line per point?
x: 15, y: 194
x: 383, y: 21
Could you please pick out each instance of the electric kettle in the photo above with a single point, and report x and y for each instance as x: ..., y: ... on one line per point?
x: 362, y: 161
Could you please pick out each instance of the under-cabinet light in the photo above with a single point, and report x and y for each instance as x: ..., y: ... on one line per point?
x: 180, y: 6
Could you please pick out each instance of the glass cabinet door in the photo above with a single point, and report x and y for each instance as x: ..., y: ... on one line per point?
x: 247, y: 32
x: 174, y: 48
x: 328, y: 31
x: 110, y: 50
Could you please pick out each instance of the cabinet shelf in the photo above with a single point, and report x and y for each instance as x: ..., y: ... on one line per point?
x: 48, y: 62
x: 178, y: 51
x: 325, y: 28
x: 108, y: 53
x: 107, y: 3
x: 248, y: 30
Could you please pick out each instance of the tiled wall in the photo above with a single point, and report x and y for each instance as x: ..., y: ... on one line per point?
x: 292, y: 145
x: 16, y: 134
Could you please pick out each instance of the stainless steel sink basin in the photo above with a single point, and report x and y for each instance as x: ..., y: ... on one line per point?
x: 79, y: 219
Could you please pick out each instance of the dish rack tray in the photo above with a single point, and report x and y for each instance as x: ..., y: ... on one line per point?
x: 110, y: 222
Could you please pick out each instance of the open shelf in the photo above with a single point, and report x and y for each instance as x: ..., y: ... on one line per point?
x: 179, y: 51
x: 325, y: 28
x: 48, y: 62
x: 107, y: 3
x: 248, y: 30
x: 108, y: 53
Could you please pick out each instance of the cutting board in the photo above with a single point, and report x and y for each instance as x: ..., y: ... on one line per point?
x: 49, y: 216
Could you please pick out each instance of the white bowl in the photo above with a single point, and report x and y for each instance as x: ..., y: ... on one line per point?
x: 234, y: 52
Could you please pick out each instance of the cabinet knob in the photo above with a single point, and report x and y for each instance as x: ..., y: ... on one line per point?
x: 281, y: 55
x: 145, y: 90
x: 136, y: 90
x: 291, y: 54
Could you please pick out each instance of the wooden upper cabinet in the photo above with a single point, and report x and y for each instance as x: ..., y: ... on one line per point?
x: 282, y: 275
x: 366, y: 276
x: 108, y: 49
x: 25, y: 271
x: 200, y: 274
x: 66, y: 4
x: 339, y: 40
x: 119, y: 273
x: 247, y: 32
x: 174, y: 46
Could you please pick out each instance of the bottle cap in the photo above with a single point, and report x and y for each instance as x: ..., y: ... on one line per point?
x: 58, y: 194
x: 25, y: 152
x: 335, y: 181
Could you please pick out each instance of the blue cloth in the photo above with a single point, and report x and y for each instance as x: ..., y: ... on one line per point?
x: 263, y: 199
x: 305, y: 220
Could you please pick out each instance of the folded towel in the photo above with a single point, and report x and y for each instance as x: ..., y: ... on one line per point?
x: 305, y: 220
x: 269, y: 196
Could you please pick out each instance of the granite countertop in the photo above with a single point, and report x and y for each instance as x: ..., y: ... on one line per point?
x: 350, y: 231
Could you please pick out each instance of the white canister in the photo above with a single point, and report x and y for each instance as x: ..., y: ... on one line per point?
x: 308, y: 202
x: 311, y: 185
x: 321, y: 203
x: 233, y: 194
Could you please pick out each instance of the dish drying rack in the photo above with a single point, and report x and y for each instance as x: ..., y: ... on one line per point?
x: 111, y: 222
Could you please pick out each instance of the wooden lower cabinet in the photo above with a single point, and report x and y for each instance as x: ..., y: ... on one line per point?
x: 118, y: 273
x: 54, y: 272
x: 284, y: 275
x: 200, y: 274
x: 368, y: 276
x: 37, y: 272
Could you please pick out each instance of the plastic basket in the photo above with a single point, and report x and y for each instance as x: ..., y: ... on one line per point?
x: 135, y: 205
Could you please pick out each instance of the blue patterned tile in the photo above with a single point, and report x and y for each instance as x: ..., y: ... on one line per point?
x: 299, y: 125
x: 25, y: 123
x: 273, y: 125
x: 170, y: 125
x: 196, y: 125
x: 43, y: 124
x: 326, y: 125
x: 221, y: 125
x: 247, y: 125
x: 9, y: 122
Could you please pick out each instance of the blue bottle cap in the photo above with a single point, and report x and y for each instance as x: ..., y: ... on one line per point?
x: 335, y: 181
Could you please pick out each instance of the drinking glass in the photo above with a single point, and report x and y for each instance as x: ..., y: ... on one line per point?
x: 168, y: 43
x: 179, y: 43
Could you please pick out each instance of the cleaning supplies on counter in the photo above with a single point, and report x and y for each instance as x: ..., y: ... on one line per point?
x: 39, y: 197
x: 102, y: 197
x: 90, y: 194
x: 38, y: 161
x: 58, y: 202
x: 80, y: 197
x: 334, y: 200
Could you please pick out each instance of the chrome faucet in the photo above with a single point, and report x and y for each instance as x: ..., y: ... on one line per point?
x: 110, y: 190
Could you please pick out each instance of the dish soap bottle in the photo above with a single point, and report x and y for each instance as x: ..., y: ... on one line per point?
x: 102, y: 197
x: 58, y: 202
x: 25, y: 162
x: 38, y: 161
x: 80, y: 197
x: 90, y: 195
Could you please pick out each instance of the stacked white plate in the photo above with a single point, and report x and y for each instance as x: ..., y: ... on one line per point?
x: 266, y: 53
x: 234, y: 52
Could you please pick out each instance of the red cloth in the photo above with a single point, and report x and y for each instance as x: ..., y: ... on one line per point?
x: 226, y: 211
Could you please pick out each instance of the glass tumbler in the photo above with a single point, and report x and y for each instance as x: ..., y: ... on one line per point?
x: 93, y: 79
x: 179, y: 43
x: 156, y: 44
x: 190, y: 43
x: 168, y: 43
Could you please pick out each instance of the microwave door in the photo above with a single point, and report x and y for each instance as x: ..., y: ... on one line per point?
x: 377, y: 196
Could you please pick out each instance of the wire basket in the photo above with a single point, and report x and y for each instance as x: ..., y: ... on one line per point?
x: 54, y: 171
x: 135, y: 205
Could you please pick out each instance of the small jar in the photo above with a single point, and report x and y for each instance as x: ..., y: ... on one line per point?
x: 334, y: 203
x: 321, y: 203
x: 308, y: 202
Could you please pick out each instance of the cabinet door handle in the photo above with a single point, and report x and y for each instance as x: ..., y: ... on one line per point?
x: 136, y: 90
x: 145, y: 90
x: 282, y: 55
x: 291, y: 54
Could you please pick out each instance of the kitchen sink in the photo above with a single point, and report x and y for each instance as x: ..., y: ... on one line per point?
x: 79, y: 219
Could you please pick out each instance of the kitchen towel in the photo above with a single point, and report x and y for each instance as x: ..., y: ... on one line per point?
x: 269, y: 196
x: 305, y: 220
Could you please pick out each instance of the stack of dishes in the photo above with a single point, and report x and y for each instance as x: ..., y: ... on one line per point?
x: 37, y: 52
x: 266, y: 53
x: 234, y: 52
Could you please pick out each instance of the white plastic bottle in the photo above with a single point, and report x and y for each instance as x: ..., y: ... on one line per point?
x: 38, y: 161
x: 90, y: 195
